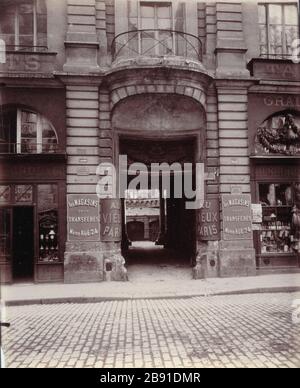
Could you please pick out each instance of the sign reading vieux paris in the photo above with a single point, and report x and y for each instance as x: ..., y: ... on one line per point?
x: 208, y: 220
x: 111, y: 223
x: 237, y: 217
x: 83, y: 217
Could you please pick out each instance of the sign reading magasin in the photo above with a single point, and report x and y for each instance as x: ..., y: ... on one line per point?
x: 237, y: 217
x: 83, y: 217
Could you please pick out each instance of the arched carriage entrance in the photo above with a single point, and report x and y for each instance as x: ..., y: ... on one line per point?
x: 161, y: 129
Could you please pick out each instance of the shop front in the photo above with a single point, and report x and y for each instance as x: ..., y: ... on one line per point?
x: 274, y: 131
x: 32, y: 185
x: 31, y: 221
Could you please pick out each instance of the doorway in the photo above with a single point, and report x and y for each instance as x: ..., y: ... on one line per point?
x: 160, y: 233
x: 23, y: 243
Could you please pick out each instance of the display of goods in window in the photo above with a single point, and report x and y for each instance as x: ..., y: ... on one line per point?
x: 279, y: 135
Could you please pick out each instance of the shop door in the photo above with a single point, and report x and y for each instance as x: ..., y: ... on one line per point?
x: 23, y: 243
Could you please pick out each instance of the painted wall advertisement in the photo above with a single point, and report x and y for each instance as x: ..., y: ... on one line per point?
x: 111, y: 223
x: 237, y: 216
x: 208, y: 220
x: 83, y: 215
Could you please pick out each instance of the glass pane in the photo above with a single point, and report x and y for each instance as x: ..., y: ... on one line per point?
x: 291, y: 14
x: 26, y: 24
x: 163, y: 11
x: 42, y: 24
x: 262, y: 14
x: 28, y: 132
x: 179, y: 17
x: 148, y: 47
x: 147, y: 11
x: 47, y: 197
x: 48, y: 236
x: 7, y: 20
x: 166, y: 43
x: 284, y: 194
x: 41, y: 7
x: 132, y: 9
x: 275, y: 14
x: 49, y: 137
x: 5, y: 220
x: 164, y: 24
x: 48, y: 222
x: 25, y: 40
x: 147, y: 24
x: 5, y: 194
x: 133, y: 25
x: 23, y: 193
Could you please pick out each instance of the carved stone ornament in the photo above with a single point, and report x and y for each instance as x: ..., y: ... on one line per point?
x: 284, y: 140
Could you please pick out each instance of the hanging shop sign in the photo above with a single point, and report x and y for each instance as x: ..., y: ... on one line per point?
x: 111, y: 222
x: 83, y: 217
x: 208, y: 220
x: 237, y: 217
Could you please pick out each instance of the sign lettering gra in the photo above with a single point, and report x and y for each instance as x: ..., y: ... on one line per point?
x: 83, y: 217
x: 237, y: 217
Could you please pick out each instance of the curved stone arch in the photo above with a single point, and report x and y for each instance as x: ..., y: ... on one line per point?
x: 121, y: 93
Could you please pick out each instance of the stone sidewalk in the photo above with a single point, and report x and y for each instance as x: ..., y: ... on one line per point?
x: 147, y: 288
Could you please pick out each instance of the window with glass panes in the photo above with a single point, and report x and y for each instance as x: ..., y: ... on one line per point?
x: 23, y: 24
x: 24, y: 131
x: 277, y: 234
x: 278, y: 27
x: 155, y: 22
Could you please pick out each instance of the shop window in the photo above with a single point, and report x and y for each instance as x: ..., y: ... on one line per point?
x: 5, y: 233
x: 278, y: 234
x: 278, y: 27
x: 48, y: 223
x: 23, y: 25
x: 24, y: 131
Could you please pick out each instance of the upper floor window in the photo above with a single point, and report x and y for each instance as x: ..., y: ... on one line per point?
x: 23, y: 24
x: 24, y: 131
x: 157, y: 28
x: 278, y: 26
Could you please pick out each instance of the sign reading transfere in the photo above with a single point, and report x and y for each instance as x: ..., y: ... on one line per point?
x: 237, y: 217
x: 83, y: 217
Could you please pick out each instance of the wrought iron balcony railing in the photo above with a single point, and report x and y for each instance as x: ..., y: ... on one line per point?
x: 156, y: 43
x: 28, y: 148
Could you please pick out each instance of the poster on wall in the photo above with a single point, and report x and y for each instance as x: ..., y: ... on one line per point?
x: 83, y: 217
x: 111, y: 223
x: 208, y: 220
x: 237, y: 217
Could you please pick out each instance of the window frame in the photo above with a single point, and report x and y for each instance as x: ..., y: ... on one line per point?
x: 39, y: 144
x: 16, y: 27
x: 268, y: 25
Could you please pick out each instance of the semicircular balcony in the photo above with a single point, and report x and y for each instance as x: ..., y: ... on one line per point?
x: 153, y: 47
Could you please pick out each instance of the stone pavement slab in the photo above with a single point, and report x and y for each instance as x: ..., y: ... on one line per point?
x: 228, y: 331
x: 19, y: 294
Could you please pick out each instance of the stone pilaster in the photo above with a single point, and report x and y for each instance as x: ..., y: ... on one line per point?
x: 236, y: 258
x: 81, y: 40
x: 231, y: 49
x: 83, y: 254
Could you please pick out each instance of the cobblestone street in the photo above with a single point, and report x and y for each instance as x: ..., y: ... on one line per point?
x: 222, y: 331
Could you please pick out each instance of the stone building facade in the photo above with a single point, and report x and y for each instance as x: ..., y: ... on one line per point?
x: 84, y: 81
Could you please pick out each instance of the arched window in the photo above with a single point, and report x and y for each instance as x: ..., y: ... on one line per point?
x: 279, y: 134
x: 25, y: 131
x: 23, y: 24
